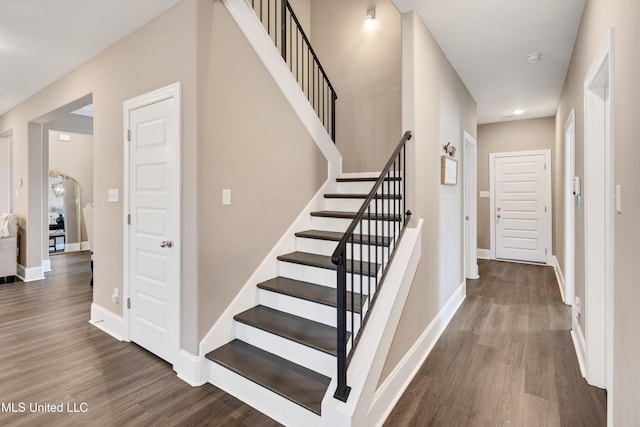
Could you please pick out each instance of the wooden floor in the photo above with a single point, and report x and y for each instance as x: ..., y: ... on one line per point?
x: 50, y: 354
x: 506, y: 359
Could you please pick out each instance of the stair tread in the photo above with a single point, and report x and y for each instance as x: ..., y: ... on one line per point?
x: 361, y: 196
x: 366, y: 179
x: 291, y: 381
x: 304, y: 331
x: 337, y: 236
x: 312, y: 292
x: 322, y: 261
x: 352, y: 215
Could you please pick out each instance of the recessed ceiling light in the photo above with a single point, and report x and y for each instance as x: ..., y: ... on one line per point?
x: 517, y: 111
x: 533, y: 58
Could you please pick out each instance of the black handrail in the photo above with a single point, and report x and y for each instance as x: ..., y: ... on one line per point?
x: 285, y: 30
x: 394, y: 175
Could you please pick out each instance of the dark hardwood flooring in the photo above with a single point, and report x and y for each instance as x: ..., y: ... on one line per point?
x: 50, y: 354
x: 506, y: 359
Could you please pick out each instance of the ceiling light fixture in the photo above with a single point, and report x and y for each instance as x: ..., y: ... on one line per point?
x: 533, y: 58
x: 517, y: 112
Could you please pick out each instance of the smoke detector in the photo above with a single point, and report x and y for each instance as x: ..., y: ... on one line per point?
x: 533, y: 58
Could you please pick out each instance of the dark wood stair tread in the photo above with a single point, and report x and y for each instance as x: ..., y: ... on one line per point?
x: 351, y: 215
x: 304, y: 331
x: 322, y: 261
x: 336, y: 236
x: 361, y: 196
x: 311, y: 292
x: 367, y: 179
x: 291, y: 381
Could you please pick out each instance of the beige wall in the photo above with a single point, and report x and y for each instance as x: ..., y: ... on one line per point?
x: 252, y: 143
x: 598, y: 17
x: 364, y: 68
x: 237, y: 132
x: 438, y: 108
x: 518, y: 135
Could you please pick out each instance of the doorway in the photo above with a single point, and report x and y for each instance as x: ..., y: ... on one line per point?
x: 520, y: 206
x: 598, y: 217
x: 6, y: 162
x: 152, y: 206
x: 470, y: 207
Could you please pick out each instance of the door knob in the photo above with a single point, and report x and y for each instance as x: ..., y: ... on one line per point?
x: 166, y: 244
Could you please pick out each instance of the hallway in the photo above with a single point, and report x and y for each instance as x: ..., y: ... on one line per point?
x: 506, y: 358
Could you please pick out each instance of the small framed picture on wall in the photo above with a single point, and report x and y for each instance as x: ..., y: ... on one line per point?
x: 448, y: 171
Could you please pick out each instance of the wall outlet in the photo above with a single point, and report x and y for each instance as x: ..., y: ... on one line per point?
x: 115, y: 298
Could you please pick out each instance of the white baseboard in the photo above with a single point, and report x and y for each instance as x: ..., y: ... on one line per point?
x: 399, y: 379
x: 30, y: 274
x: 46, y: 265
x: 559, y: 276
x: 108, y: 322
x: 191, y: 369
x: 484, y: 253
x: 579, y: 343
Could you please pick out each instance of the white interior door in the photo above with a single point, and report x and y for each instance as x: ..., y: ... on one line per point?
x: 521, y: 212
x: 154, y: 232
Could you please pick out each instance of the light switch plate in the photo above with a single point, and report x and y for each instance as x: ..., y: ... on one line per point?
x: 484, y: 194
x: 226, y: 197
x: 113, y: 195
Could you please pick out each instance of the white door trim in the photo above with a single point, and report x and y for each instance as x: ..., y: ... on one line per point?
x: 470, y: 158
x: 547, y: 196
x: 569, y: 208
x: 598, y: 218
x: 162, y: 94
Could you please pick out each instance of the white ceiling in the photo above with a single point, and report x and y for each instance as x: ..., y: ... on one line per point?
x: 487, y: 41
x: 42, y: 40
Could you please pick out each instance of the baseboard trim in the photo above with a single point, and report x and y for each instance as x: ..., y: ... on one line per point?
x: 31, y: 274
x: 107, y: 322
x: 559, y: 276
x: 191, y: 369
x: 578, y: 343
x: 397, y: 382
x: 484, y: 253
x: 46, y: 265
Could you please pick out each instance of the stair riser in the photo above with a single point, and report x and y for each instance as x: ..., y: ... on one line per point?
x: 277, y: 407
x: 319, y: 276
x: 297, y: 353
x: 310, y: 310
x: 341, y: 225
x: 354, y: 205
x: 365, y: 187
x: 326, y: 247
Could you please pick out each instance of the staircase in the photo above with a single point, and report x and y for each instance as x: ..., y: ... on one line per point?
x: 285, y: 348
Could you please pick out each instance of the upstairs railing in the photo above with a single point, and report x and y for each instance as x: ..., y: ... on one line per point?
x: 380, y: 222
x: 285, y: 30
